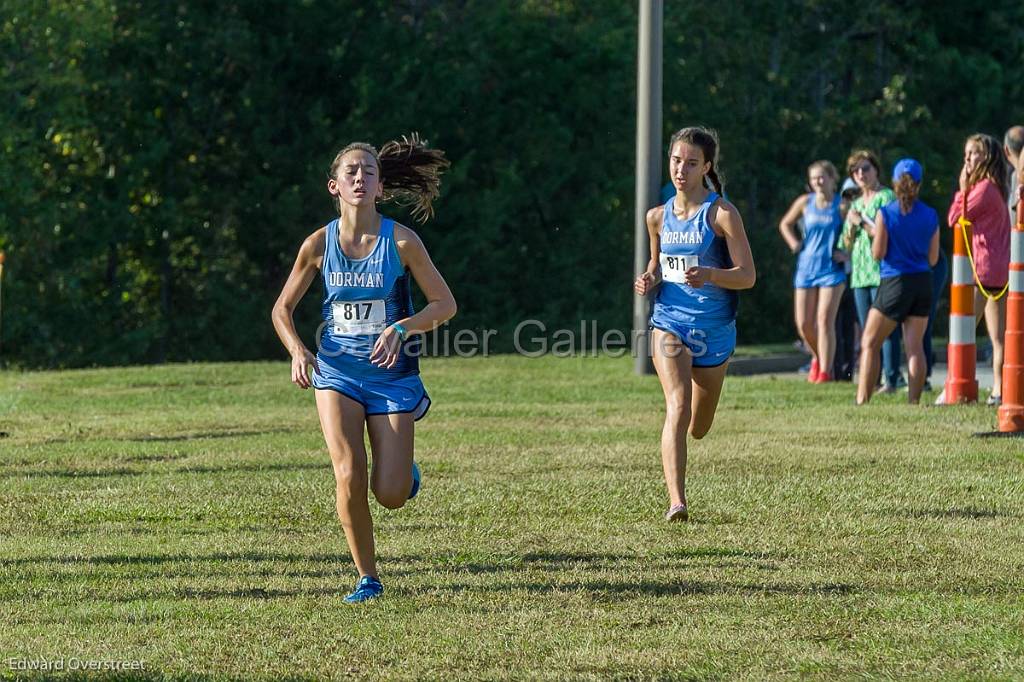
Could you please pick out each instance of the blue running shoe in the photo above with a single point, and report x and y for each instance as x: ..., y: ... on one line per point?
x: 368, y: 588
x: 416, y: 477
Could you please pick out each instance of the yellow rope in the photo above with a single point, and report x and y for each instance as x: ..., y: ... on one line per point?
x: 964, y: 223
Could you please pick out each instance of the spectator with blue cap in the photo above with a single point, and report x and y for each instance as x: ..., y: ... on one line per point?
x: 906, y: 243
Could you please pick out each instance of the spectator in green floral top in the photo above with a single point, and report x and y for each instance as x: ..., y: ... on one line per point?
x: 858, y: 232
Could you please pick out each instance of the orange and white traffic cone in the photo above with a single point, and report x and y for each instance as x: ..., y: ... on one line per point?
x: 961, y: 379
x: 1011, y: 412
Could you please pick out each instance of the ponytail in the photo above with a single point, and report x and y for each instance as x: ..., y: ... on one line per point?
x: 410, y: 172
x: 906, y: 190
x: 716, y: 184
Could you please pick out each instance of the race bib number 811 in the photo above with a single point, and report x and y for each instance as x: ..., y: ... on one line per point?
x: 673, y: 268
x: 358, y: 317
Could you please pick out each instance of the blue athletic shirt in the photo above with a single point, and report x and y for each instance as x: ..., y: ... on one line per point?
x: 709, y: 305
x: 821, y: 233
x: 909, y: 238
x: 363, y: 296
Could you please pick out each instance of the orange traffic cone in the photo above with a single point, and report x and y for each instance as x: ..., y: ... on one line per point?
x: 961, y: 379
x: 1011, y: 412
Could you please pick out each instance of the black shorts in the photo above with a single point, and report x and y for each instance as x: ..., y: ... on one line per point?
x: 905, y: 296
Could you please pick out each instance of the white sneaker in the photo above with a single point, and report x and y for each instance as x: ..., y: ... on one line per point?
x: 941, y: 398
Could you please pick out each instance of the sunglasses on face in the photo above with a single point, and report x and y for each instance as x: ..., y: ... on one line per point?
x: 862, y: 169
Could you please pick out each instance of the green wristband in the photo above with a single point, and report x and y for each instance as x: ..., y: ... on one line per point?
x: 402, y: 331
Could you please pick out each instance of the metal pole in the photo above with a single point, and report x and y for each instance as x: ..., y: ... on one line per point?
x: 2, y: 258
x: 648, y: 159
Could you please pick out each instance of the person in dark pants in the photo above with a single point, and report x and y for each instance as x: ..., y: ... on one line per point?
x: 940, y: 272
x: 846, y: 318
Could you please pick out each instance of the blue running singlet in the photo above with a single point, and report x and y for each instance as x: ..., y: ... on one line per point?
x: 363, y: 296
x: 703, y: 319
x: 814, y: 264
x: 685, y: 243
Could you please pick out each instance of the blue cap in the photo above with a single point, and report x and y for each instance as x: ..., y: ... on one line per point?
x: 907, y: 167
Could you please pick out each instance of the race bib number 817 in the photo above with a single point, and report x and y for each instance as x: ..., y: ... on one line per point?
x: 673, y: 268
x: 359, y: 317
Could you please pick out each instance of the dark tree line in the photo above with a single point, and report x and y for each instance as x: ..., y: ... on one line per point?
x: 163, y: 161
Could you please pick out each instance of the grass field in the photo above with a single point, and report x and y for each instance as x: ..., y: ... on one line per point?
x: 183, y: 516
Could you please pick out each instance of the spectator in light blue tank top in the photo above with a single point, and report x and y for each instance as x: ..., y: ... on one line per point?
x: 906, y: 242
x: 820, y: 277
x: 361, y: 374
x: 700, y: 257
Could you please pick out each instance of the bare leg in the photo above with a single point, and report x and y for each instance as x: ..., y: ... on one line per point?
x: 672, y: 361
x: 805, y: 303
x: 995, y: 325
x: 876, y: 329
x: 391, y: 440
x: 913, y: 339
x: 829, y: 299
x: 707, y: 388
x: 342, y: 419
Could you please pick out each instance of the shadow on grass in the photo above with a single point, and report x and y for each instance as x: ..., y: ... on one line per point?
x: 147, y: 459
x: 620, y: 588
x: 68, y: 472
x: 600, y: 589
x: 203, y: 435
x: 405, y: 564
x: 148, y: 559
x: 253, y: 468
x: 698, y: 553
x: 514, y: 574
x: 194, y: 383
x: 955, y: 513
x: 708, y: 557
x: 344, y: 587
x: 171, y: 438
x: 544, y: 559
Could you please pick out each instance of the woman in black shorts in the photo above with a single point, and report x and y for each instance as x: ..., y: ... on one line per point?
x: 907, y: 243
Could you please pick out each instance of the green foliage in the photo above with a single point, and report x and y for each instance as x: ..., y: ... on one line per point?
x: 162, y: 163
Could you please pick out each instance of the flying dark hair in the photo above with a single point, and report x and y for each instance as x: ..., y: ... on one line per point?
x: 410, y: 172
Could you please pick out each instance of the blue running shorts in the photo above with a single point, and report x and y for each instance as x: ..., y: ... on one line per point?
x: 710, y: 346
x: 811, y: 280
x: 384, y: 395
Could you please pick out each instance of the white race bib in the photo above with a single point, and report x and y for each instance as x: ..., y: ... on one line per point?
x: 358, y: 317
x: 673, y: 268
